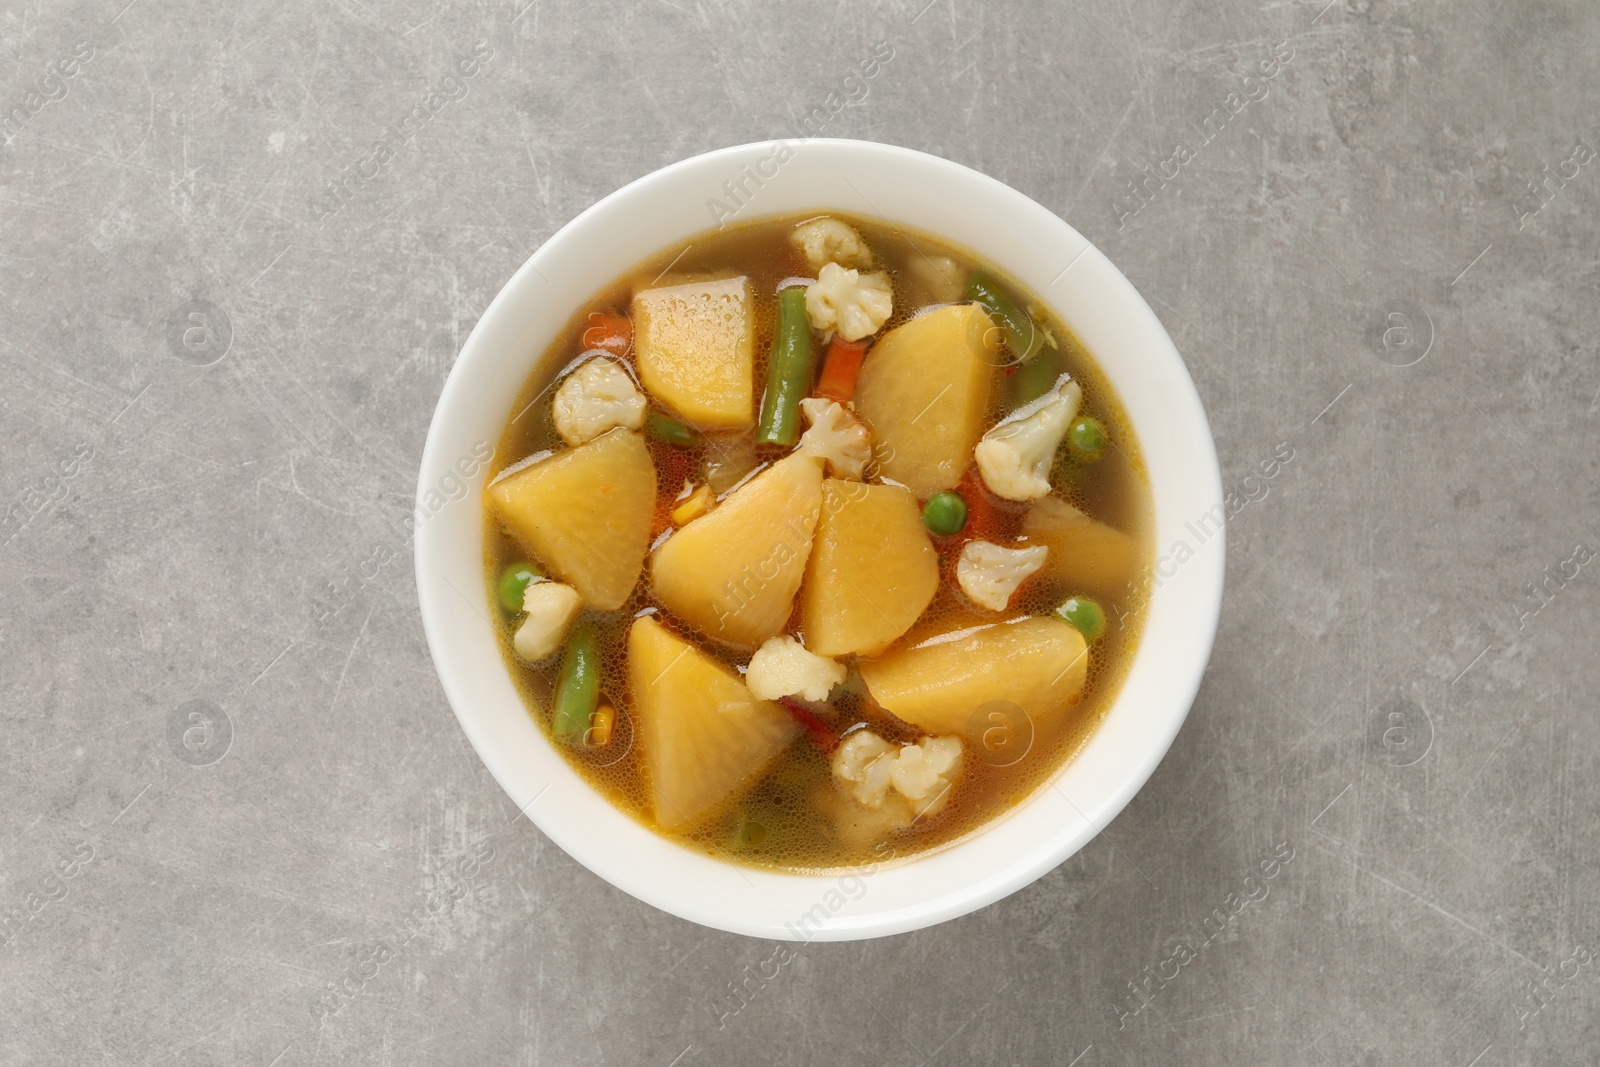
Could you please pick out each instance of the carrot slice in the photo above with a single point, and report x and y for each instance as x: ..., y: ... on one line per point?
x: 986, y: 519
x: 611, y: 331
x: 840, y: 369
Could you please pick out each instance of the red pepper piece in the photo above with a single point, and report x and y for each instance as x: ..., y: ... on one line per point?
x: 822, y: 734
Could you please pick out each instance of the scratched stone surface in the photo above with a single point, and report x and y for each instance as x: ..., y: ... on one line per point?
x: 238, y: 823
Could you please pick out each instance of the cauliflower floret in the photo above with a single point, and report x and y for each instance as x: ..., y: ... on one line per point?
x: 854, y: 822
x: 597, y: 397
x: 989, y: 574
x: 941, y: 278
x: 864, y: 765
x: 836, y: 436
x: 828, y: 240
x: 920, y: 775
x: 782, y: 667
x: 924, y: 772
x: 1014, y: 457
x: 855, y: 305
x: 551, y: 607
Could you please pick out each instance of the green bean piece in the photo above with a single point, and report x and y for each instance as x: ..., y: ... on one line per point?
x: 1023, y: 335
x: 788, y: 372
x: 514, y: 582
x: 1087, y: 438
x: 578, y: 687
x: 945, y: 513
x: 668, y: 429
x: 1035, y: 378
x: 1085, y: 616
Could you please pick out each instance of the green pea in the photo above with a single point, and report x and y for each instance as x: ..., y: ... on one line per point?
x: 945, y: 513
x: 1087, y: 438
x: 749, y: 834
x: 514, y: 581
x: 1085, y: 616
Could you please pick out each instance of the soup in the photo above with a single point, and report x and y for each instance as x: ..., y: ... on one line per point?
x: 816, y: 541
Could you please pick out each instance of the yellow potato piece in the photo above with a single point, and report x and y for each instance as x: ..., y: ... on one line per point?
x: 696, y: 350
x: 1038, y: 664
x: 1085, y: 556
x: 872, y: 569
x: 585, y: 513
x: 705, y: 739
x: 733, y: 573
x: 924, y: 390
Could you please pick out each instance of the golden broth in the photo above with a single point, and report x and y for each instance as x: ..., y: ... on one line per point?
x: 791, y: 801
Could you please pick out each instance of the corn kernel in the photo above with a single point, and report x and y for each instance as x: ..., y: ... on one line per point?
x: 598, y: 735
x: 698, y: 504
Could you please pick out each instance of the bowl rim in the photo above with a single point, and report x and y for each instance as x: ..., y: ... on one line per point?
x: 1010, y: 851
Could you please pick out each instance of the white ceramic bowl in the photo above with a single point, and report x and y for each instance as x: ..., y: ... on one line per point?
x: 972, y: 211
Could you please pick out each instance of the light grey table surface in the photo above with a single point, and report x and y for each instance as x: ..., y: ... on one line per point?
x: 216, y: 378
